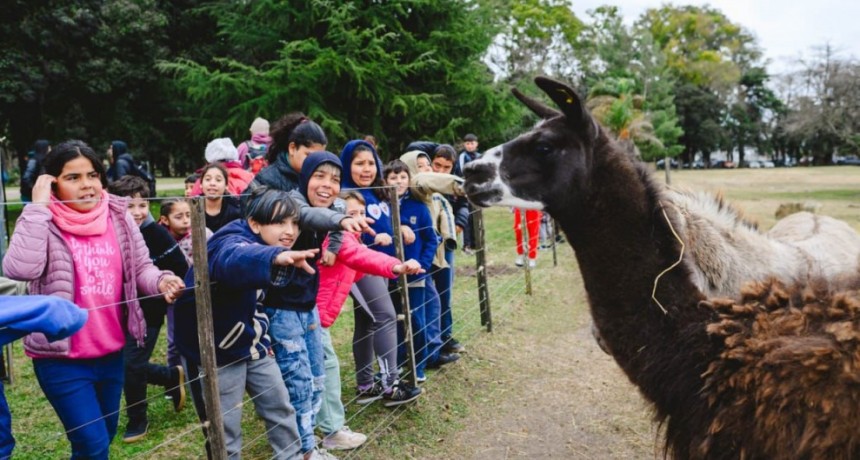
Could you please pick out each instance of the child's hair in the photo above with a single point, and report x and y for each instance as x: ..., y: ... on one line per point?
x: 297, y: 128
x: 445, y: 151
x: 68, y: 151
x: 168, y: 204
x: 219, y: 167
x: 129, y: 186
x: 192, y: 178
x: 270, y: 206
x: 395, y: 167
x: 353, y: 195
x: 371, y: 139
x: 329, y: 168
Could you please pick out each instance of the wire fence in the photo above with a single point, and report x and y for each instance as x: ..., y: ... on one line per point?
x: 470, y: 322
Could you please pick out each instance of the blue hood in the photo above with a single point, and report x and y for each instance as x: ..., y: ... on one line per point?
x: 346, y: 160
x: 312, y: 162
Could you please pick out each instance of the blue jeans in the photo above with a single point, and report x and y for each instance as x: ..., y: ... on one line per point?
x: 444, y: 280
x: 298, y: 350
x: 433, y: 330
x: 7, y: 442
x: 419, y: 332
x: 85, y: 395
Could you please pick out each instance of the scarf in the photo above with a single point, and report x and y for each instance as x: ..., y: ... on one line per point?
x: 89, y: 223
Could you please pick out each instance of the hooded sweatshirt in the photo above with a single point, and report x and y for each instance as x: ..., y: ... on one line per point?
x: 299, y: 288
x: 378, y: 210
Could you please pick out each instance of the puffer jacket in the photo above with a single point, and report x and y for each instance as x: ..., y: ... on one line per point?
x: 353, y: 261
x: 38, y: 254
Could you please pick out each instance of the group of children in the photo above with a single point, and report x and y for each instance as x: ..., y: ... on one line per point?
x: 311, y: 229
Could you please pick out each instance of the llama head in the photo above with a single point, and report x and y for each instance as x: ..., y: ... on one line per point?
x: 544, y: 165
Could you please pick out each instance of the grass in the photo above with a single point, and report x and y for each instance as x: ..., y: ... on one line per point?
x: 536, y: 385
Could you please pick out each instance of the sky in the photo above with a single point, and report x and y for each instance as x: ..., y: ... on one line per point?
x: 785, y: 29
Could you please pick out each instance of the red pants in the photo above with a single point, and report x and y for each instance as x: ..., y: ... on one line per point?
x: 532, y: 226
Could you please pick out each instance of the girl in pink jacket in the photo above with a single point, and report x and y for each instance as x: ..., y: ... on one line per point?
x: 352, y: 262
x: 76, y: 242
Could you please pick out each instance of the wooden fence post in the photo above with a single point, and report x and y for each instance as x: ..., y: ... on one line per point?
x: 409, y: 377
x: 525, y: 239
x: 481, y: 269
x: 554, y: 240
x: 214, y: 422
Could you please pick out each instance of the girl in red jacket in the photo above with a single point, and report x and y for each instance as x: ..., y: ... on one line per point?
x: 353, y: 261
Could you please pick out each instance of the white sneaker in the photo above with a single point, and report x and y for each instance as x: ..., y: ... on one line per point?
x: 321, y: 454
x: 519, y: 261
x: 343, y: 439
x: 532, y: 263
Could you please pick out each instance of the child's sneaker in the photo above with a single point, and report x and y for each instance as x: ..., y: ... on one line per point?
x: 135, y: 431
x: 367, y: 396
x: 401, y: 394
x: 452, y: 346
x: 321, y: 454
x: 343, y: 439
x: 519, y: 261
x: 532, y: 263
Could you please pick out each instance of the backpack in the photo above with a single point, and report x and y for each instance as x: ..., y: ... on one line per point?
x: 141, y: 170
x: 256, y: 159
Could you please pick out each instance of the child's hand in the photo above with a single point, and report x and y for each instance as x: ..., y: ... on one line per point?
x: 297, y: 259
x: 328, y: 258
x: 407, y: 234
x: 459, y: 229
x: 42, y: 189
x: 410, y: 267
x: 171, y: 286
x: 382, y: 239
x: 357, y: 225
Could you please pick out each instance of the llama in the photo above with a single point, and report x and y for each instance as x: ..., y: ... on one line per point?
x: 774, y: 373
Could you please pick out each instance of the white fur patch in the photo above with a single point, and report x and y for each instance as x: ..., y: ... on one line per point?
x: 494, y: 156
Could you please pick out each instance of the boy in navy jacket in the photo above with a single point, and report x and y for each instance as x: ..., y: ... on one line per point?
x: 415, y: 215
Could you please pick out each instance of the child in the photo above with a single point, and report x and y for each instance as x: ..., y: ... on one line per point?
x: 292, y: 308
x: 223, y: 153
x: 189, y: 184
x: 243, y: 258
x: 353, y: 261
x: 374, y: 335
x: 221, y: 208
x: 166, y: 255
x: 533, y: 218
x: 79, y: 243
x: 252, y: 153
x: 175, y: 216
x: 442, y: 217
x: 415, y: 215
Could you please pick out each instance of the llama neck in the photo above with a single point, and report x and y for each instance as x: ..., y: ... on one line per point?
x: 623, y: 241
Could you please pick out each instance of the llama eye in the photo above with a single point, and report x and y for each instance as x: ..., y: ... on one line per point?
x: 543, y: 149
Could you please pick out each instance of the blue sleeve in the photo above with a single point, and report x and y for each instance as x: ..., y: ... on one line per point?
x: 122, y: 168
x: 50, y: 315
x: 427, y: 236
x: 240, y: 264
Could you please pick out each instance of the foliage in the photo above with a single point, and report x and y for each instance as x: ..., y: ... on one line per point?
x: 400, y: 70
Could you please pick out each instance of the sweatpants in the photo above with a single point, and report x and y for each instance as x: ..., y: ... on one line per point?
x: 331, y: 416
x: 532, y: 226
x: 375, y: 333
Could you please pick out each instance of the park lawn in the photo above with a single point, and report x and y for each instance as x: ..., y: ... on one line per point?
x: 465, y: 397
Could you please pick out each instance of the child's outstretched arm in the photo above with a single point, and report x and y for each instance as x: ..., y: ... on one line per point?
x: 424, y: 184
x: 326, y: 220
x: 362, y: 259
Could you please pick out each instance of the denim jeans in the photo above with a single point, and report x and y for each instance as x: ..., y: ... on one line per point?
x: 298, y: 350
x: 331, y: 417
x: 419, y: 333
x: 444, y: 280
x: 85, y: 395
x: 139, y: 372
x: 7, y: 442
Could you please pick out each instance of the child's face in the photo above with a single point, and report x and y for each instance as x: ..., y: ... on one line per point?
x: 323, y: 187
x: 214, y: 183
x: 424, y: 164
x: 443, y: 165
x: 79, y: 184
x: 282, y: 234
x: 138, y: 208
x: 298, y: 153
x: 355, y: 209
x: 189, y: 186
x: 401, y: 180
x: 363, y: 169
x: 470, y: 146
x: 178, y: 221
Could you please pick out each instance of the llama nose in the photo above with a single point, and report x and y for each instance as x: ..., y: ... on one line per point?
x: 476, y: 172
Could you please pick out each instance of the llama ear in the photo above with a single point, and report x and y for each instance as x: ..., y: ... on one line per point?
x: 568, y: 101
x: 539, y: 108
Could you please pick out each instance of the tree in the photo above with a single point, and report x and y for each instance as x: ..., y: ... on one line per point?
x: 401, y: 70
x: 754, y: 104
x: 700, y: 112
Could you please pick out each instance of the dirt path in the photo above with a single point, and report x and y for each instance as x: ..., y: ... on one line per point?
x: 565, y: 398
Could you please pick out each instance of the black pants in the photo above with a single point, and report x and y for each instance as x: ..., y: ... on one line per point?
x: 139, y: 372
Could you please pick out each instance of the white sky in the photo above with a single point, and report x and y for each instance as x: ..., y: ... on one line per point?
x: 785, y: 29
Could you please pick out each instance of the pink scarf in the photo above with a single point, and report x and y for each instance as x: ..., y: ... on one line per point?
x: 89, y: 223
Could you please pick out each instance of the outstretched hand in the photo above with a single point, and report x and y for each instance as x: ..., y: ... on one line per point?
x: 410, y: 267
x: 358, y: 225
x: 171, y: 286
x: 407, y: 234
x: 297, y: 259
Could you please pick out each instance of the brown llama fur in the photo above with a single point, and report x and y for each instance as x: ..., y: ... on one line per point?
x: 773, y: 374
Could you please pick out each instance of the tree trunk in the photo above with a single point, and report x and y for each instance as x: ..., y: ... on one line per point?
x: 667, y: 165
